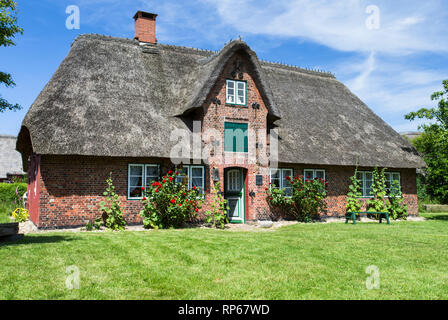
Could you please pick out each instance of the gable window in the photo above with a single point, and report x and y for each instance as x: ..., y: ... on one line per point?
x: 311, y: 174
x: 193, y: 176
x: 366, y: 179
x: 278, y: 179
x: 390, y: 178
x: 235, y: 137
x: 141, y: 176
x: 236, y: 92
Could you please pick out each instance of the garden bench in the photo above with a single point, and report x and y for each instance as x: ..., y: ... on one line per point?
x: 9, y: 232
x: 352, y: 215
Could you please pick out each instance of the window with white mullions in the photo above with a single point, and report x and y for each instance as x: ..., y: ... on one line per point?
x: 389, y: 181
x: 366, y: 179
x: 135, y: 181
x: 241, y: 93
x: 312, y: 174
x: 152, y: 174
x: 193, y: 176
x: 141, y: 176
x: 278, y: 179
x: 236, y: 92
x: 230, y: 92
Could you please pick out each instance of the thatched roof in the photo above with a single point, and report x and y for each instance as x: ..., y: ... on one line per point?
x: 10, y: 159
x: 114, y: 97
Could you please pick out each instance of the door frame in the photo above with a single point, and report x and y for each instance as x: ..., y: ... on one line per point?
x: 243, y: 197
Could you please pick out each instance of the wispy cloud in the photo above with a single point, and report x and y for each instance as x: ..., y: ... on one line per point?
x: 341, y: 25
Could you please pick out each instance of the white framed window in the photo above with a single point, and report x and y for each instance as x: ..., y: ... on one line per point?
x: 366, y: 179
x: 390, y: 178
x: 278, y: 179
x: 311, y: 174
x: 236, y: 92
x: 194, y: 176
x: 141, y: 176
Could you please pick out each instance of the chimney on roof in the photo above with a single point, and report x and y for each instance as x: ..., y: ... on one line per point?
x: 145, y: 27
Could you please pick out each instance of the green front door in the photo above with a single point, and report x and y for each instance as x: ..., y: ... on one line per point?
x: 234, y: 193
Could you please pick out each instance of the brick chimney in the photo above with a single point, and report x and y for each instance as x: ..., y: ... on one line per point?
x: 145, y: 27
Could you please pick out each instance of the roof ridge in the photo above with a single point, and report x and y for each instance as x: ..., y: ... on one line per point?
x: 285, y: 66
x: 187, y: 48
x: 104, y: 37
x: 8, y: 136
x: 212, y: 53
x: 300, y: 69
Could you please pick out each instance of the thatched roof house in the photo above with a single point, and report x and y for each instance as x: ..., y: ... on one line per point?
x: 114, y: 98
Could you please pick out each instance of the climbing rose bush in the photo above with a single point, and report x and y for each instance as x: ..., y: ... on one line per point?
x: 307, y: 199
x: 169, y: 204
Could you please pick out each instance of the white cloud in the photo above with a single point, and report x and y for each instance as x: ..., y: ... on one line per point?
x: 341, y: 25
x: 392, y: 89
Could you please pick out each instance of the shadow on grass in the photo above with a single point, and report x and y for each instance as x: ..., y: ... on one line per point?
x: 436, y: 216
x: 37, y: 240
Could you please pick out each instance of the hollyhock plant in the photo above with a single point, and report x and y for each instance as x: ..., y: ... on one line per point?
x: 306, y: 201
x: 169, y: 204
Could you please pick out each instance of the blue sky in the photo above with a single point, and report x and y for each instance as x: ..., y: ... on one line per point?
x: 393, y: 68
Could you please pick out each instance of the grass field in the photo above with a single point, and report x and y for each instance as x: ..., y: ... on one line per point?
x: 305, y: 261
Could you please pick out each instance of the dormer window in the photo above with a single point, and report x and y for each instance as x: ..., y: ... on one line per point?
x: 236, y: 92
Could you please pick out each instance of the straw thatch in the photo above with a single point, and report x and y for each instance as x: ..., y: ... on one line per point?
x: 115, y: 97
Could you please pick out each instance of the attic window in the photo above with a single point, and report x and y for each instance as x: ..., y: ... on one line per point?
x: 236, y: 92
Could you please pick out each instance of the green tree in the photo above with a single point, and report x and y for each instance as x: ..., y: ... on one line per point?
x: 8, y: 30
x: 433, y: 144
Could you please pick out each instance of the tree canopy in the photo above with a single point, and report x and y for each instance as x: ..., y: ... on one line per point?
x: 8, y: 30
x: 433, y: 144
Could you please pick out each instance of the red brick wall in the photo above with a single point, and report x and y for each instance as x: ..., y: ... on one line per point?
x: 214, y: 116
x: 71, y: 188
x: 338, y: 178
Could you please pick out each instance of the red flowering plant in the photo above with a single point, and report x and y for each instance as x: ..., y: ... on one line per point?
x: 169, y: 203
x: 304, y: 202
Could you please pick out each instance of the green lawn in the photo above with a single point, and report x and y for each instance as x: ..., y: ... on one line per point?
x: 313, y: 261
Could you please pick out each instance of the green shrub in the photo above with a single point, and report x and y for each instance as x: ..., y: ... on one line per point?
x: 218, y: 215
x: 89, y: 226
x: 94, y: 225
x: 169, y: 204
x: 112, y: 214
x: 377, y: 203
x: 8, y: 191
x: 354, y: 194
x: 306, y: 202
x: 395, y: 199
